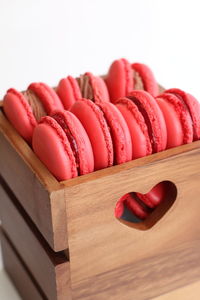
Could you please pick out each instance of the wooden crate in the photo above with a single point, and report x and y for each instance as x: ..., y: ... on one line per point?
x: 110, y: 259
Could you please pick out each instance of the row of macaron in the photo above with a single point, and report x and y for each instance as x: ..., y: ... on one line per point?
x: 92, y: 135
x: 25, y: 109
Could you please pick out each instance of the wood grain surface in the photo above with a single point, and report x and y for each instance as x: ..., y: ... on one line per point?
x: 188, y: 292
x: 20, y: 276
x: 105, y: 253
x: 50, y: 269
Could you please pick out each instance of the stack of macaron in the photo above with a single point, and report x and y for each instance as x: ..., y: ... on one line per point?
x: 90, y: 123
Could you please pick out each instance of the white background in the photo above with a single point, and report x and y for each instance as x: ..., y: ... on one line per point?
x: 48, y: 40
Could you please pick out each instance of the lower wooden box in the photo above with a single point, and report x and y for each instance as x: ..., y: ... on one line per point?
x: 29, y: 289
x: 49, y: 269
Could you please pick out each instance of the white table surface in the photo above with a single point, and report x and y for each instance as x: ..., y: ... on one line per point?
x: 7, y: 290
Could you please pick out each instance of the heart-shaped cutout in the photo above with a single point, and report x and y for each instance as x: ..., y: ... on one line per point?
x: 143, y: 211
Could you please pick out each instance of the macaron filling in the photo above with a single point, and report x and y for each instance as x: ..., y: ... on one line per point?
x: 86, y: 87
x: 35, y: 104
x: 70, y: 138
x: 147, y: 121
x: 138, y: 83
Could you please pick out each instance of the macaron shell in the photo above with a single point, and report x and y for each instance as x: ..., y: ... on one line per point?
x: 69, y: 92
x: 147, y: 77
x: 194, y: 109
x: 177, y: 119
x: 97, y: 129
x: 47, y: 95
x: 141, y: 145
x: 156, y: 118
x: 53, y: 149
x: 119, y: 131
x: 19, y: 113
x: 84, y: 148
x: 119, y: 79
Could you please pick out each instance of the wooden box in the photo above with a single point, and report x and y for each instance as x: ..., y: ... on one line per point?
x: 81, y: 250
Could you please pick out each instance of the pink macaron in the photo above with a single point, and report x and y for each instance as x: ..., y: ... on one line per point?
x: 123, y: 77
x: 69, y: 92
x: 177, y: 118
x: 94, y: 122
x: 145, y: 121
x: 134, y: 204
x: 144, y: 79
x: 25, y: 109
x: 120, y: 134
x: 193, y: 107
x: 62, y: 144
x: 86, y: 86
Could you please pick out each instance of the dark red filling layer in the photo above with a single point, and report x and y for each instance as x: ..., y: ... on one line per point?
x: 70, y: 138
x: 147, y: 121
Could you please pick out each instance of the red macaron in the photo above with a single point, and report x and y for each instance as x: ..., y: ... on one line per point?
x: 94, y: 122
x: 61, y: 143
x: 119, y: 79
x: 69, y: 92
x: 86, y: 86
x: 123, y: 77
x: 121, y: 138
x: 145, y: 121
x: 141, y: 205
x: 193, y: 107
x: 134, y: 204
x: 177, y: 118
x: 144, y: 79
x: 25, y: 109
